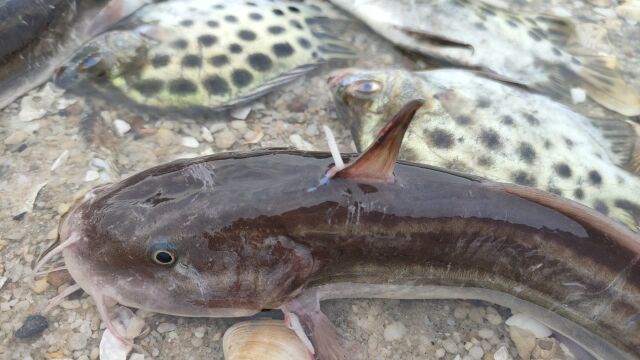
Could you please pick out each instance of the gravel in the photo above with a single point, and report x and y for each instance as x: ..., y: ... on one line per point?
x: 33, y: 325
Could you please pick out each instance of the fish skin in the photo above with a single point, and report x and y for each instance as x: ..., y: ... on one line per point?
x: 533, y: 50
x: 249, y: 235
x: 489, y: 129
x: 204, y: 54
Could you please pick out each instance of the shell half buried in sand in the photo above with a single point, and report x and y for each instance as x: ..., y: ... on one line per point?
x: 263, y: 339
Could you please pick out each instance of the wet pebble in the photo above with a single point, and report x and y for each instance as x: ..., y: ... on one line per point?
x: 164, y: 137
x: 33, y: 325
x: 224, y: 139
x: 485, y: 333
x: 476, y: 352
x: 239, y: 125
x: 40, y: 285
x: 492, y: 316
x: 502, y: 354
x: 166, y: 327
x: 524, y: 340
x: 16, y: 137
x: 394, y: 331
x: 206, y: 134
x: 190, y: 142
x: 440, y: 353
x: 450, y: 346
x: 121, y: 127
x: 77, y: 341
x: 629, y: 10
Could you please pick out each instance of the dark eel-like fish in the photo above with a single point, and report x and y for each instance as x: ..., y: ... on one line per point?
x: 232, y: 234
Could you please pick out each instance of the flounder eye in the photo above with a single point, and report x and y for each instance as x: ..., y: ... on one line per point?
x: 163, y: 254
x: 365, y: 89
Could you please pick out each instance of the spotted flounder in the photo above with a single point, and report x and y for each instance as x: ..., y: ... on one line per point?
x: 201, y: 53
x: 490, y: 129
x: 233, y: 234
x: 528, y: 49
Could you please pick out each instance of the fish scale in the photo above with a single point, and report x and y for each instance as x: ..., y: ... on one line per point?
x: 486, y: 128
x: 199, y: 53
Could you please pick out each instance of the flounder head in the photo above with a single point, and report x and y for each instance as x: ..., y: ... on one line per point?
x: 103, y: 59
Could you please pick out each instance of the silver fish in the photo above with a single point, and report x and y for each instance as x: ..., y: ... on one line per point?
x: 490, y: 129
x: 528, y: 49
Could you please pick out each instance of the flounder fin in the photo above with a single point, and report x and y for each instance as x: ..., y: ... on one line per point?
x: 377, y: 162
x: 433, y: 39
x: 559, y: 30
x: 633, y: 164
x: 603, y: 82
x: 112, y: 13
x: 576, y: 211
x: 624, y: 138
x: 329, y: 33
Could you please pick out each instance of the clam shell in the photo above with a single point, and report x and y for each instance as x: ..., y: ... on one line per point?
x: 263, y: 340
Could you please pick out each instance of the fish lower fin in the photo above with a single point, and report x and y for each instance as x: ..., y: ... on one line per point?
x: 560, y: 31
x: 624, y: 140
x: 603, y: 82
x: 378, y: 161
x: 329, y: 33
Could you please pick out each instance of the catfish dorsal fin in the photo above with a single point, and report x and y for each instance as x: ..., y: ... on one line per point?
x: 377, y: 162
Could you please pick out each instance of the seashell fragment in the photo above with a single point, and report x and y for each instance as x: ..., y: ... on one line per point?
x: 264, y: 340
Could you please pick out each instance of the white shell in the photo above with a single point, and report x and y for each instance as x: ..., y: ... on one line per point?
x: 263, y: 340
x: 525, y: 322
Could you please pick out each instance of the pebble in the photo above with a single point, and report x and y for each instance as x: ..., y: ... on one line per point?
x: 485, y: 333
x: 166, y: 327
x: 239, y: 125
x: 528, y: 323
x: 450, y: 346
x: 525, y: 341
x: 57, y: 278
x: 476, y: 352
x: 199, y: 332
x: 136, y: 356
x: 190, y: 142
x: 164, y: 137
x: 492, y: 316
x: 240, y: 113
x: 77, y: 341
x: 62, y: 158
x: 91, y: 175
x: 301, y: 143
x: 394, y: 331
x: 40, y: 286
x: 461, y: 311
x: 224, y: 139
x: 440, y: 353
x: 32, y: 326
x: 629, y: 10
x: 16, y: 137
x: 206, y: 134
x: 122, y: 127
x: 502, y: 354
x: 476, y: 314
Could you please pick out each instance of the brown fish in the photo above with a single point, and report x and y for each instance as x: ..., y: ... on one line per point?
x: 232, y: 234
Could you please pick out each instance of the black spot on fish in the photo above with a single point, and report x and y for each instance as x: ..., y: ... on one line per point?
x: 490, y: 139
x: 213, y: 24
x: 532, y: 120
x: 463, y: 120
x: 576, y: 61
x: 563, y: 170
x: 186, y: 23
x: 180, y: 44
x: 216, y: 85
x: 276, y: 29
x: 247, y: 35
x: 522, y: 178
x: 507, y: 120
x: 207, y: 40
x: 595, y: 178
x: 315, y: 7
x: 191, y: 61
x: 488, y: 11
x: 255, y: 16
x: 241, y: 77
x: 484, y: 103
x: 440, y: 139
x: 554, y: 190
x: 231, y: 19
x: 278, y: 12
x: 296, y: 24
x: 219, y: 60
x: 293, y: 9
x: 601, y: 207
x: 282, y: 49
x: 218, y: 6
x: 182, y: 87
x: 149, y: 87
x: 304, y: 43
x: 531, y: 21
x: 160, y: 60
x: 512, y: 23
x: 527, y: 152
x: 260, y: 62
x: 578, y: 194
x: 235, y: 48
x: 479, y: 26
x: 548, y: 144
x: 485, y: 161
x: 535, y: 36
x: 568, y: 141
x: 556, y: 51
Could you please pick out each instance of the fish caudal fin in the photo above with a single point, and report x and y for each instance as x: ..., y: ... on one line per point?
x: 378, y: 161
x: 603, y: 82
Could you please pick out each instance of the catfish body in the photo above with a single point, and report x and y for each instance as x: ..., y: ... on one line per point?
x: 232, y: 234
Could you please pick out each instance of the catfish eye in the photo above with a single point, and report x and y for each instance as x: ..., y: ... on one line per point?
x: 164, y: 257
x: 365, y: 89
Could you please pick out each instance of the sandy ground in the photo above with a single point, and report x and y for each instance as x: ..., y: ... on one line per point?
x: 73, y: 146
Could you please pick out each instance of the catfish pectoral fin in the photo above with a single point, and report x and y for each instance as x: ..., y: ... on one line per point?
x: 304, y: 316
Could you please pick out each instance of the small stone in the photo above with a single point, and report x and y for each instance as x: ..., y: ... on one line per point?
x: 239, y: 125
x: 502, y: 354
x: 190, y: 142
x: 197, y: 342
x: 394, y: 331
x: 134, y: 328
x: 629, y: 10
x: 224, y: 139
x: 485, y: 333
x: 526, y: 322
x: 476, y: 352
x: 58, y: 278
x: 492, y: 316
x: 70, y: 304
x: 440, y: 353
x: 199, y: 331
x: 166, y: 327
x: 91, y: 175
x: 16, y: 138
x: 121, y: 127
x: 461, y: 311
x: 164, y: 137
x: 40, y: 286
x: 524, y: 340
x: 136, y: 356
x: 214, y: 128
x: 77, y: 341
x: 450, y: 346
x: 301, y: 143
x: 95, y: 353
x: 206, y: 134
x: 548, y: 349
x: 240, y: 113
x: 62, y: 158
x: 33, y: 325
x: 476, y: 314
